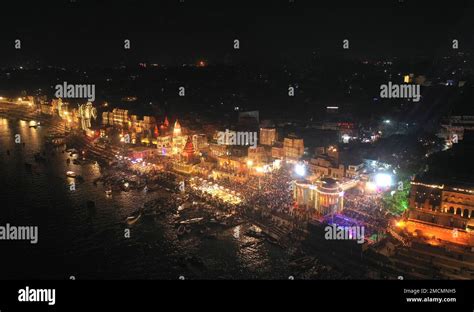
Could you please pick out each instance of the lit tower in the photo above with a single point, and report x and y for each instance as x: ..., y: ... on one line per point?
x: 177, y: 129
x: 188, y: 150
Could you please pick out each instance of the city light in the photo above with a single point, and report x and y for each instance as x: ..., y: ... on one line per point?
x: 300, y: 170
x: 370, y: 186
x: 383, y: 180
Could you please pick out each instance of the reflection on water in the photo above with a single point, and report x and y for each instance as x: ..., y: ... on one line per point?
x: 85, y: 243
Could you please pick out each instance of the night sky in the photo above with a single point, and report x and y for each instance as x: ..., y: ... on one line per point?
x: 79, y: 32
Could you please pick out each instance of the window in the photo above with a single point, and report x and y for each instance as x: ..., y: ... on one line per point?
x: 465, y: 213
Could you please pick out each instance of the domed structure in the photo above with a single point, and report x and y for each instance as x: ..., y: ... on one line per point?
x: 325, y: 197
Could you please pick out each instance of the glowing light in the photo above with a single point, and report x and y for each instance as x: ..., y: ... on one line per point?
x: 346, y: 138
x: 400, y: 224
x: 383, y: 180
x: 370, y: 186
x: 300, y: 170
x: 249, y: 163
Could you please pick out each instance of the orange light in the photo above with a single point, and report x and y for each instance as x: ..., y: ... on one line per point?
x: 400, y: 223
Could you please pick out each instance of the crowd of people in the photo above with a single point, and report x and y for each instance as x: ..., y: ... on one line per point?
x: 368, y: 209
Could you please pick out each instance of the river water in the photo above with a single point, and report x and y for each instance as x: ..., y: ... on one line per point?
x: 76, y: 242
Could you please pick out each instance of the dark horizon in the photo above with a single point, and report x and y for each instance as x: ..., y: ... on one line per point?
x: 172, y: 33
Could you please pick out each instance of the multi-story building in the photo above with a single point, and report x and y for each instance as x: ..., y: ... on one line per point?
x: 268, y: 136
x: 441, y: 212
x: 200, y: 142
x: 452, y: 129
x: 354, y: 171
x: 443, y: 200
x: 293, y: 148
x: 257, y: 154
x: 324, y: 166
x: 120, y: 117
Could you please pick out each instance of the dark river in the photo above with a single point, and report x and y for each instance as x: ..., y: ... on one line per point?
x: 75, y: 241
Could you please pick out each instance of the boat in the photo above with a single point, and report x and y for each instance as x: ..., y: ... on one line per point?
x: 134, y: 217
x: 190, y: 221
x: 181, y: 230
x: 71, y: 174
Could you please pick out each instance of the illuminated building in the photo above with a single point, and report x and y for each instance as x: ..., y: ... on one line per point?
x: 443, y: 199
x: 183, y: 167
x: 218, y: 149
x: 323, y: 198
x: 141, y: 152
x: 354, y: 171
x: 163, y: 144
x: 267, y: 136
x: 86, y: 113
x: 326, y: 163
x: 257, y: 154
x: 120, y: 117
x: 278, y: 152
x: 176, y: 129
x: 47, y: 109
x: 325, y: 167
x: 188, y: 151
x: 200, y: 142
x: 408, y: 78
x: 178, y: 140
x: 441, y: 210
x: 293, y: 148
